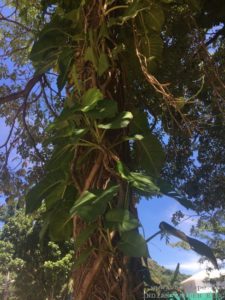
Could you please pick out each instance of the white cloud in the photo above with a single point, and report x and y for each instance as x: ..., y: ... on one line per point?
x: 190, y: 267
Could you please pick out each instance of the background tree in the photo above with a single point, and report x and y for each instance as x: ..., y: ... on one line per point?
x: 34, y: 270
x: 112, y: 119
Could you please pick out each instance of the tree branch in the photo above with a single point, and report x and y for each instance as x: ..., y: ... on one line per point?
x: 28, y: 130
x: 3, y: 18
x: 24, y: 93
x: 221, y: 31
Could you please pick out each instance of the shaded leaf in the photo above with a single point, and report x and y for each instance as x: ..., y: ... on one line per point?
x: 84, y: 235
x: 64, y: 64
x: 133, y: 244
x: 154, y: 18
x: 82, y: 258
x: 60, y: 222
x: 90, y: 56
x: 148, y: 152
x: 175, y: 275
x: 36, y: 194
x: 103, y: 64
x: 122, y: 219
x: 105, y: 108
x: 167, y: 189
x: 91, y: 205
x: 131, y: 12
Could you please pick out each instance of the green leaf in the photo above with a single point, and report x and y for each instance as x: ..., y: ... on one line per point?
x: 122, y: 170
x: 64, y: 63
x: 137, y: 180
x: 55, y: 195
x: 90, y: 213
x: 82, y: 258
x: 168, y: 190
x: 122, y: 219
x: 105, y: 108
x: 143, y: 183
x: 90, y: 56
x: 60, y: 222
x: 91, y: 205
x: 90, y: 99
x: 75, y: 77
x: 60, y: 225
x: 50, y: 38
x: 85, y: 235
x: 154, y: 18
x: 133, y: 244
x: 148, y: 152
x: 103, y: 64
x: 175, y: 275
x: 61, y: 158
x: 70, y: 135
x: 121, y: 121
x: 136, y: 137
x: 131, y: 12
x: 151, y: 47
x: 36, y: 194
x: 84, y: 199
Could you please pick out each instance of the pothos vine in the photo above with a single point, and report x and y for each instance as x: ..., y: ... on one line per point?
x: 105, y: 156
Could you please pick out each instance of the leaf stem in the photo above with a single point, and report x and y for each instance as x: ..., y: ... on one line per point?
x: 154, y: 235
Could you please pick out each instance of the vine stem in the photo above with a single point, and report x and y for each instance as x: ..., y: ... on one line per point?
x: 93, y: 172
x: 154, y: 235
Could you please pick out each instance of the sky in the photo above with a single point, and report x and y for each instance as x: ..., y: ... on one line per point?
x: 156, y: 210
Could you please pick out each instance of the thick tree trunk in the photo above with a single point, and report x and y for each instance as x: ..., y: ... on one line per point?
x: 106, y: 275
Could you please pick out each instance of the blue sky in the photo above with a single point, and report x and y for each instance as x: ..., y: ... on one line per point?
x: 156, y: 210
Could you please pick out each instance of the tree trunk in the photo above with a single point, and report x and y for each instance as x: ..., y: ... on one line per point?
x: 107, y: 275
x: 6, y: 287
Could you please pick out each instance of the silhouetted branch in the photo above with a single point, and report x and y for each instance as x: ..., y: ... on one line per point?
x: 47, y: 102
x: 3, y: 18
x: 28, y: 130
x: 221, y: 31
x: 24, y: 93
x: 11, y: 129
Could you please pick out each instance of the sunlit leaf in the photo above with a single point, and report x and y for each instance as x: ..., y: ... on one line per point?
x: 122, y: 120
x: 90, y: 99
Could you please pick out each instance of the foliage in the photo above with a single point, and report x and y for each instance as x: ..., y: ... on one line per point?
x: 211, y: 227
x: 39, y: 271
x: 111, y: 90
x: 164, y: 276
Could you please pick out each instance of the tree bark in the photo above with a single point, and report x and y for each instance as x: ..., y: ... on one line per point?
x: 107, y: 274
